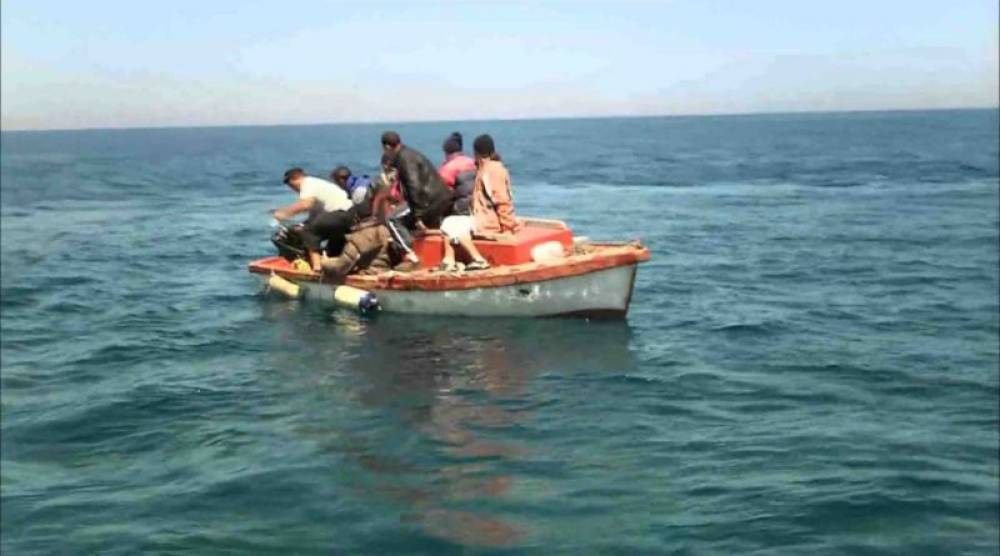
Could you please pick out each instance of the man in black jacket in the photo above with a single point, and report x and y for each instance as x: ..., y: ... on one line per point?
x: 428, y: 197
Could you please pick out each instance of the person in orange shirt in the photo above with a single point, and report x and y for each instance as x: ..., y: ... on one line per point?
x: 492, y: 208
x: 492, y: 203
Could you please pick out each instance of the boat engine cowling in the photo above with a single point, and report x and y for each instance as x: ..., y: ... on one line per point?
x: 289, y: 243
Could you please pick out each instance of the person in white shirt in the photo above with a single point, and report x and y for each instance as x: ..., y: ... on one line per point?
x: 331, y: 214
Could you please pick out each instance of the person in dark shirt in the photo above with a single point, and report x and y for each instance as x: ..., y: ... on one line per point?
x: 425, y: 193
x: 390, y: 206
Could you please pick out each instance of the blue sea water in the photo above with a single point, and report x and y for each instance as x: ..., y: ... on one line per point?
x: 810, y: 365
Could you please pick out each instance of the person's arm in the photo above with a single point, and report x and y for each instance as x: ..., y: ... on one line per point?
x: 302, y: 205
x: 383, y: 202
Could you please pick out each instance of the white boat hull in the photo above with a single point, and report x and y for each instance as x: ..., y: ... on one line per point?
x: 603, y: 293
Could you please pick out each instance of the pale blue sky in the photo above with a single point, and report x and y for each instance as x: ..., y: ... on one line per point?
x: 70, y: 64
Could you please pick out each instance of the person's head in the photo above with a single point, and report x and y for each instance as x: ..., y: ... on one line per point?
x: 452, y: 144
x: 391, y: 141
x: 388, y: 161
x: 293, y: 178
x: 340, y: 175
x: 484, y: 148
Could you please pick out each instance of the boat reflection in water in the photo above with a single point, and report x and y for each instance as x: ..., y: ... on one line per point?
x: 437, y: 414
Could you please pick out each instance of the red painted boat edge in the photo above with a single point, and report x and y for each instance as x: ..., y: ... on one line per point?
x: 604, y: 256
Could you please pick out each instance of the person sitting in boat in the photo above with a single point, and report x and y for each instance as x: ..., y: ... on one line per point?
x: 458, y: 172
x: 492, y: 210
x: 366, y: 251
x: 428, y: 198
x: 356, y: 187
x: 331, y: 214
x: 492, y: 202
x: 368, y: 248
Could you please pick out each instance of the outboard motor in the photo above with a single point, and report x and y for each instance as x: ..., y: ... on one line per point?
x: 289, y: 243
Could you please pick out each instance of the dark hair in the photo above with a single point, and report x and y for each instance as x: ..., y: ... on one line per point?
x: 388, y: 159
x: 340, y: 172
x: 293, y: 173
x: 484, y: 147
x: 391, y: 139
x: 453, y: 143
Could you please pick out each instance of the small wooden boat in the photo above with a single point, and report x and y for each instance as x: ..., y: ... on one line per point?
x: 540, y: 272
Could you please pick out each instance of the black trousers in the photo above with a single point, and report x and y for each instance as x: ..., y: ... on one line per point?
x: 400, y: 221
x: 331, y: 227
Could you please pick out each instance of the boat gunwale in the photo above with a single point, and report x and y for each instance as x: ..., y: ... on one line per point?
x: 604, y: 256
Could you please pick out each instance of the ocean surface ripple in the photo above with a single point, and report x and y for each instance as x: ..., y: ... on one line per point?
x: 810, y: 365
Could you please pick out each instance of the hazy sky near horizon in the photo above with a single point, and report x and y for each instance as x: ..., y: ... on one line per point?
x: 69, y: 64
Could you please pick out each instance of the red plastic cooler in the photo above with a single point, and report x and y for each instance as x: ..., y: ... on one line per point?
x: 516, y: 250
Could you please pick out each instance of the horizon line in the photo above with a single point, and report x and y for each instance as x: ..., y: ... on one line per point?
x: 509, y: 119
